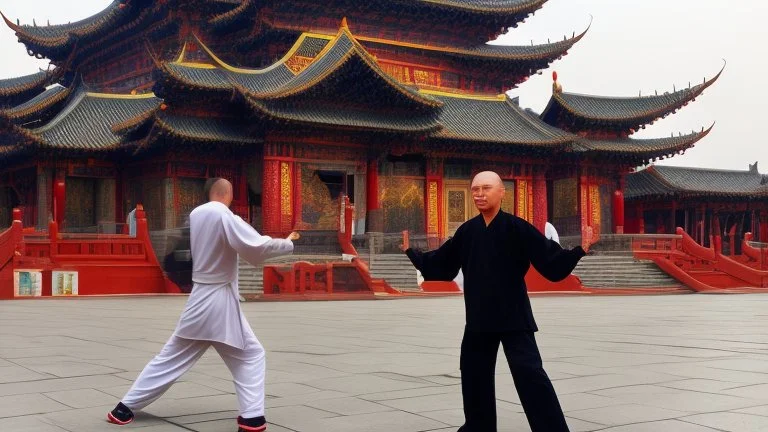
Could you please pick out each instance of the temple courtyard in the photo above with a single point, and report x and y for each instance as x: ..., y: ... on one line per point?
x: 676, y: 363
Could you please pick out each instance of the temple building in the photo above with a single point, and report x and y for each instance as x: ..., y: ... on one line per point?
x: 393, y: 104
x: 704, y: 202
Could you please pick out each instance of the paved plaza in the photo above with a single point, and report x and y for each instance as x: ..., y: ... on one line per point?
x: 684, y: 363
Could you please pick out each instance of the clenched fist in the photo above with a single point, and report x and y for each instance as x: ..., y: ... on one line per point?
x: 293, y: 236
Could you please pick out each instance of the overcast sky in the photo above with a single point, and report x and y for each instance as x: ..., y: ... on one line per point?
x: 633, y: 45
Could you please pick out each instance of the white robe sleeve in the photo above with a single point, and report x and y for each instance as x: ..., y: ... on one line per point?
x: 252, y: 246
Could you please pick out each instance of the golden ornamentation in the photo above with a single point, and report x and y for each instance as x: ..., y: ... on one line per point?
x: 594, y: 207
x: 319, y: 210
x: 457, y: 206
x: 432, y: 227
x: 522, y: 199
x: 400, y: 73
x: 285, y: 189
x: 298, y: 63
x: 565, y: 198
x: 430, y: 78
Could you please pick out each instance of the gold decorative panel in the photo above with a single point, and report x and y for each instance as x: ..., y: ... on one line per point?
x: 298, y: 63
x: 594, y: 206
x: 319, y: 205
x: 508, y: 202
x: 433, y: 224
x: 402, y: 200
x: 430, y: 78
x: 523, y: 203
x: 399, y: 72
x: 285, y: 189
x: 457, y: 206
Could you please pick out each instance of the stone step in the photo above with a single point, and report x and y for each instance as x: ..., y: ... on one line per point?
x: 596, y: 271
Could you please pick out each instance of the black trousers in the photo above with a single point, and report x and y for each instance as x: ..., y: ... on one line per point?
x: 478, y: 369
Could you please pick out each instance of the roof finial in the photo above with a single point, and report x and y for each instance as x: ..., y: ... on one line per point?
x: 33, y: 22
x: 556, y: 86
x: 344, y: 24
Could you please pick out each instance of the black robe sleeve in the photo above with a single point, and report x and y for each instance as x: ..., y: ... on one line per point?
x: 441, y: 264
x: 552, y: 261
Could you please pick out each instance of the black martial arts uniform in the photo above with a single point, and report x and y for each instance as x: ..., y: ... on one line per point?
x: 494, y: 260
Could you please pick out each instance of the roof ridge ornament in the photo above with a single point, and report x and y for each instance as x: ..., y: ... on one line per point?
x: 556, y: 86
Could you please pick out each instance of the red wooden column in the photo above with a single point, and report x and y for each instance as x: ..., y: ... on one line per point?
x: 763, y: 226
x: 618, y: 207
x: 374, y: 214
x: 278, y: 190
x: 270, y: 200
x: 59, y: 197
x: 540, y: 210
x: 433, y: 198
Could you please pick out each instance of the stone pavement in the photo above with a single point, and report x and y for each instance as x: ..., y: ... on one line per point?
x: 685, y: 363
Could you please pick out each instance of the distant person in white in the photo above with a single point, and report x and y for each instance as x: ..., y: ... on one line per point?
x: 212, y: 316
x: 131, y: 219
x: 551, y: 233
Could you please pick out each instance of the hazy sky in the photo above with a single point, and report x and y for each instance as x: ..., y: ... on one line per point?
x: 633, y: 45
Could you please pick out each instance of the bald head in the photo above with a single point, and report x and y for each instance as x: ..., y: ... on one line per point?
x: 487, y: 192
x: 487, y: 177
x: 219, y: 190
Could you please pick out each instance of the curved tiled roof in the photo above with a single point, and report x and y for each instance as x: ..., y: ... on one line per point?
x: 205, y: 129
x: 56, y: 40
x: 14, y: 91
x: 278, y: 81
x: 496, y: 120
x: 659, y: 180
x: 621, y: 112
x: 343, y: 116
x: 649, y: 146
x: 487, y: 6
x: 33, y: 108
x: 87, y: 120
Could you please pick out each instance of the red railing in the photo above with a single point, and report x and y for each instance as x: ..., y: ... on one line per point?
x: 304, y: 278
x: 757, y: 255
x: 105, y: 263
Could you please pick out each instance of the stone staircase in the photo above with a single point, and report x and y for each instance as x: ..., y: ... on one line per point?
x: 622, y: 271
x: 395, y: 269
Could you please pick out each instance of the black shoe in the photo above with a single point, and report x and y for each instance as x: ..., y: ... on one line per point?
x: 121, y: 415
x: 254, y: 424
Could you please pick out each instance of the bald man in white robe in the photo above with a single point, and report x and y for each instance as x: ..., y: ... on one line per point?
x: 212, y: 316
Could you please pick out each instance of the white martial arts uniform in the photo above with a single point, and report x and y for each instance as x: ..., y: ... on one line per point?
x: 212, y: 315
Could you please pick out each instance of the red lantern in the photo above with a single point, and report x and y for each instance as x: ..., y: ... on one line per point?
x: 554, y: 75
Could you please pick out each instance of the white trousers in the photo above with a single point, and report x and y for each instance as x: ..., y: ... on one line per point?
x: 248, y: 368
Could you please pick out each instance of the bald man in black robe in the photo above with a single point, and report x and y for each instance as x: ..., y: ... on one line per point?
x: 494, y: 250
